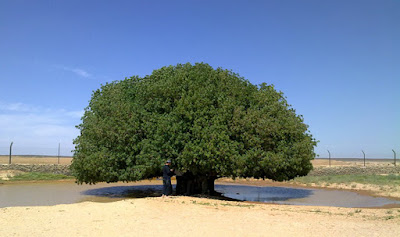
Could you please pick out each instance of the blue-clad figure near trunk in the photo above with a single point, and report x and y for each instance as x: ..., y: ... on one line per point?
x: 167, y: 173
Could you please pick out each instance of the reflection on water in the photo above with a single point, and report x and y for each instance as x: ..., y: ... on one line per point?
x: 302, y: 196
x: 44, y: 194
x: 262, y: 194
x: 139, y: 191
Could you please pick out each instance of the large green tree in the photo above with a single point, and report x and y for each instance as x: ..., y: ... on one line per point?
x: 210, y: 122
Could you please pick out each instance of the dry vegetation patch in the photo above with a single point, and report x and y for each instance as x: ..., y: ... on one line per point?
x: 9, y: 174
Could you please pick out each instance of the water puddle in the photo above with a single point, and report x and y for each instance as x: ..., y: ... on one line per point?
x: 302, y: 196
x: 45, y: 194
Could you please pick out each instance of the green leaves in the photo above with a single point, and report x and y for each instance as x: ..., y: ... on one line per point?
x: 209, y: 121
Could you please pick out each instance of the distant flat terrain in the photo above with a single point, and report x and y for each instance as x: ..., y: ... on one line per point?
x: 64, y: 160
x: 352, y: 162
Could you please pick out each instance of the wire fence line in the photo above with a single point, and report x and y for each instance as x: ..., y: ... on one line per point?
x: 32, y: 154
x: 18, y: 154
x: 18, y: 150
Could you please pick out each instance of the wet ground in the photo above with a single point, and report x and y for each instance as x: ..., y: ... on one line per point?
x: 53, y: 193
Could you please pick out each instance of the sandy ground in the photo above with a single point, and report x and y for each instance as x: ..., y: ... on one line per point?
x: 188, y: 216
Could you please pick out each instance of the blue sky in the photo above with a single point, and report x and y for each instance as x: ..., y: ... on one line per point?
x: 337, y: 62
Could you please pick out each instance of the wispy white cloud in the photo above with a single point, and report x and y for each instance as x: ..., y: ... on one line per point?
x: 34, y: 127
x: 81, y: 72
x: 78, y: 71
x: 17, y: 107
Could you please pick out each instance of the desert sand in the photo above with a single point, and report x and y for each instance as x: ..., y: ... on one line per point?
x: 189, y: 216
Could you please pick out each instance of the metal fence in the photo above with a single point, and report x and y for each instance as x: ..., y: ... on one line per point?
x: 364, y: 160
x: 18, y: 154
x: 59, y: 154
x: 355, y: 162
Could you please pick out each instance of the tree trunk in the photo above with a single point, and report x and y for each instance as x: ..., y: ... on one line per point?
x: 190, y: 185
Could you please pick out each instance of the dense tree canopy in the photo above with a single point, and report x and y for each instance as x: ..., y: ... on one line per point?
x: 211, y: 122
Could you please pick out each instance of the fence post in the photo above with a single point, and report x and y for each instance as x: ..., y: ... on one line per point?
x: 58, y: 161
x: 364, y: 157
x: 329, y: 158
x: 394, y: 157
x: 9, y: 160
